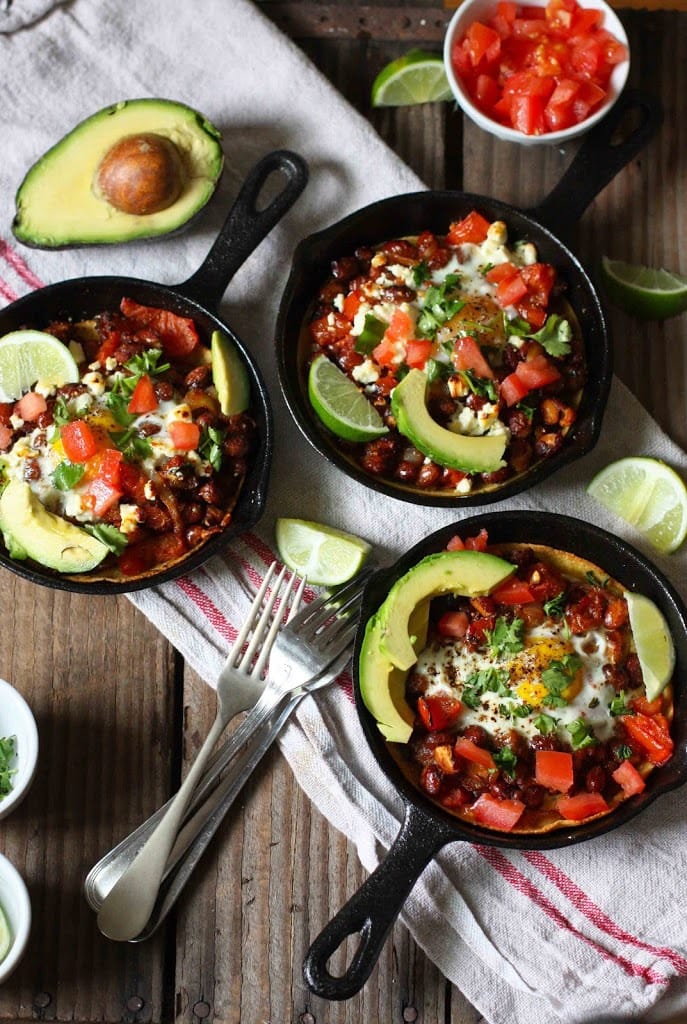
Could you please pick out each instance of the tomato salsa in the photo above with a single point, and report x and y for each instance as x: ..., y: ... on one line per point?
x: 137, y: 452
x: 538, y: 69
x: 483, y: 319
x: 530, y: 705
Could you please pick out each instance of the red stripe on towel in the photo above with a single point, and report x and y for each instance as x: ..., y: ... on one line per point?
x: 527, y: 888
x: 19, y: 265
x: 208, y: 608
x: 582, y: 902
x: 7, y: 292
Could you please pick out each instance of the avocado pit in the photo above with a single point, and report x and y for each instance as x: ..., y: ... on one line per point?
x: 141, y: 174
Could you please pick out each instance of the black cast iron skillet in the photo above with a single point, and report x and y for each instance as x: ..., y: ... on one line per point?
x: 198, y: 297
x: 426, y: 828
x: 549, y: 226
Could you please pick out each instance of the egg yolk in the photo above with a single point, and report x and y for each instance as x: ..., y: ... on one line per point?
x: 527, y: 666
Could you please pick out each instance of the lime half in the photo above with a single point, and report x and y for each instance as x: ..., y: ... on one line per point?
x: 27, y: 357
x: 325, y: 556
x: 417, y: 77
x: 645, y: 292
x: 5, y: 935
x: 340, y: 404
x: 653, y: 643
x: 649, y: 495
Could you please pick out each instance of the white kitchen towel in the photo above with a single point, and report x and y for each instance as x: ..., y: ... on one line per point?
x: 578, y: 935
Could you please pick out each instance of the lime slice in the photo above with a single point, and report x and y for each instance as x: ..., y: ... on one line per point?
x: 644, y: 291
x: 653, y: 643
x: 27, y: 357
x: 418, y: 77
x: 5, y: 935
x: 325, y: 556
x: 228, y: 375
x: 340, y: 405
x: 649, y: 495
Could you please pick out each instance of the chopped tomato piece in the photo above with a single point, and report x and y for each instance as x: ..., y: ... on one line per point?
x: 527, y: 114
x: 453, y: 624
x: 352, y: 305
x: 439, y: 711
x: 581, y: 806
x: 417, y: 353
x: 494, y: 813
x: 513, y: 591
x: 401, y: 327
x: 651, y: 734
x: 540, y: 279
x: 510, y: 290
x: 79, y: 441
x: 467, y: 355
x: 143, y: 397
x: 464, y: 747
x: 478, y: 542
x: 513, y: 389
x: 185, y: 435
x: 537, y: 372
x: 178, y: 334
x: 472, y: 228
x: 487, y: 91
x: 484, y: 42
x: 6, y: 435
x: 31, y: 406
x: 106, y: 465
x: 553, y: 769
x: 455, y: 544
x: 647, y: 707
x: 629, y: 779
x: 385, y: 353
x: 98, y: 496
x: 501, y: 272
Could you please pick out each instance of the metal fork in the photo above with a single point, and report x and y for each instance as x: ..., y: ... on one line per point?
x: 318, y: 637
x: 131, y: 900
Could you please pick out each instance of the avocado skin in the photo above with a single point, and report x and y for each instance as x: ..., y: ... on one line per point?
x: 445, y: 447
x: 30, y: 531
x: 56, y: 206
x: 398, y: 630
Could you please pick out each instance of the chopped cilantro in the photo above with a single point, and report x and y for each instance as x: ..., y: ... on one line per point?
x: 554, y: 607
x: 147, y: 362
x: 479, y: 385
x: 515, y: 711
x: 440, y: 304
x: 67, y: 474
x: 371, y: 334
x: 435, y: 369
x: 210, y: 446
x: 506, y: 759
x: 487, y: 680
x: 581, y: 734
x: 421, y: 273
x: 110, y: 536
x: 594, y: 580
x: 546, y: 724
x: 622, y: 752
x: 131, y: 445
x: 60, y: 411
x: 117, y: 404
x: 8, y: 746
x: 554, y: 337
x: 506, y: 637
x: 619, y: 705
x: 557, y: 677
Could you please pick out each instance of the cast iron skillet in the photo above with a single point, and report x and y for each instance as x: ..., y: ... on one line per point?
x: 198, y: 297
x: 548, y: 225
x: 426, y: 827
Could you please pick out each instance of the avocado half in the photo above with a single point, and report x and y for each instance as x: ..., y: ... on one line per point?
x: 59, y: 203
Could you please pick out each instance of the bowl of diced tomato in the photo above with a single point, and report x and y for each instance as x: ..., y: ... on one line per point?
x: 537, y: 72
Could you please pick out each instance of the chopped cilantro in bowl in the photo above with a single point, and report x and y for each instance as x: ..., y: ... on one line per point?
x: 8, y: 746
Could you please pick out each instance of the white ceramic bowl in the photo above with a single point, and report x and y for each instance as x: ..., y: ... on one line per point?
x: 478, y: 10
x: 14, y: 897
x: 16, y: 719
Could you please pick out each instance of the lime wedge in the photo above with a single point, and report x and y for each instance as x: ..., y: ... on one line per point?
x: 325, y: 556
x: 645, y: 292
x: 27, y: 357
x: 653, y: 643
x: 228, y: 375
x: 649, y: 495
x: 5, y: 935
x: 417, y: 77
x: 340, y: 405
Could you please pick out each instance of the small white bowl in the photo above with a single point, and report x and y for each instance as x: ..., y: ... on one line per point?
x: 16, y: 719
x: 478, y: 10
x: 14, y: 898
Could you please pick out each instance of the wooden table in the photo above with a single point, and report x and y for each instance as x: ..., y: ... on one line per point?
x: 115, y: 702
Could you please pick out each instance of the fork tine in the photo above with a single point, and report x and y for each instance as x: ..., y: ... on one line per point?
x: 266, y: 619
x: 235, y: 653
x: 328, y: 606
x: 277, y: 619
x: 338, y: 638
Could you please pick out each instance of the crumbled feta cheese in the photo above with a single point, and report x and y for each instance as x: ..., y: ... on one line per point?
x: 359, y: 319
x: 94, y: 366
x: 95, y: 383
x: 464, y: 486
x: 331, y: 319
x: 181, y: 412
x: 516, y: 341
x: 338, y: 302
x: 129, y: 514
x: 44, y: 389
x: 16, y: 421
x: 526, y: 252
x: 497, y: 232
x: 401, y: 273
x: 111, y: 364
x: 149, y: 491
x: 457, y: 387
x: 366, y: 373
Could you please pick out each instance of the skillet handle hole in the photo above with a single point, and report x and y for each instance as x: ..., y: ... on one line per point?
x: 272, y: 187
x: 345, y: 957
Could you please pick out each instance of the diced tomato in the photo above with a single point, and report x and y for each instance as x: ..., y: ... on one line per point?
x: 455, y: 544
x: 629, y: 779
x: 478, y: 542
x: 537, y: 372
x: 79, y: 440
x: 484, y: 43
x: 6, y: 435
x: 581, y: 806
x: 467, y: 355
x: 553, y: 769
x: 507, y: 9
x: 98, y: 496
x: 453, y: 624
x: 513, y: 591
x: 108, y: 347
x: 512, y: 389
x: 464, y: 747
x: 651, y: 734
x: 647, y: 707
x: 185, y: 435
x: 106, y: 465
x: 527, y: 114
x: 401, y: 327
x: 486, y: 92
x: 584, y: 20
x: 385, y: 353
x: 133, y: 482
x: 501, y: 272
x: 31, y: 406
x: 528, y: 310
x: 472, y: 228
x: 439, y: 711
x: 6, y: 411
x: 530, y: 28
x: 418, y: 352
x: 178, y: 334
x: 540, y: 279
x: 494, y: 813
x: 143, y: 397
x: 510, y: 290
x: 352, y: 304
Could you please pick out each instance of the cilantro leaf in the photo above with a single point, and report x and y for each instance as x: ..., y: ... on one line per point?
x: 557, y: 677
x: 147, y: 362
x: 117, y: 404
x: 440, y: 304
x: 131, y: 445
x: 554, y: 607
x: 581, y: 734
x: 66, y: 474
x: 421, y: 273
x: 506, y: 637
x: 554, y: 337
x: 479, y: 385
x: 8, y: 745
x: 210, y: 446
x: 619, y: 705
x: 546, y: 724
x: 487, y: 680
x: 60, y: 411
x: 506, y: 759
x: 110, y: 536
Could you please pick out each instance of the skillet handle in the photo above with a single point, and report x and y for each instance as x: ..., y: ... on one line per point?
x: 246, y: 226
x: 598, y: 160
x: 373, y: 909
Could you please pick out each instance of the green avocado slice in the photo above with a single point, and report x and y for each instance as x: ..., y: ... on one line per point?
x: 228, y: 375
x: 482, y: 454
x: 30, y: 531
x: 57, y: 204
